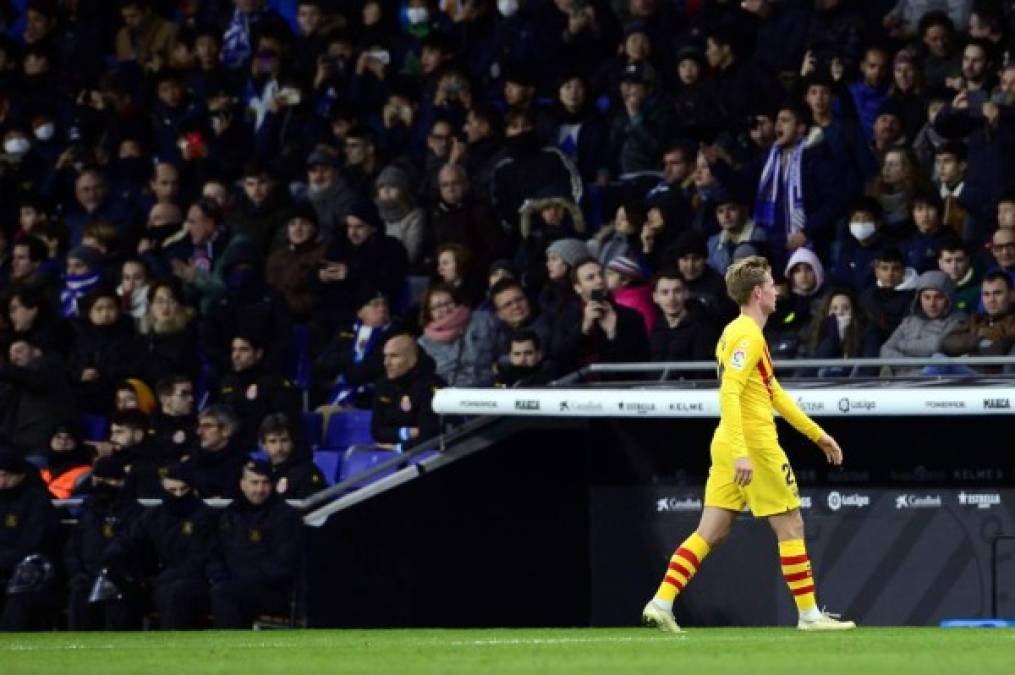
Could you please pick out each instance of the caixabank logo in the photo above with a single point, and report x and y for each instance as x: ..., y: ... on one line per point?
x: 910, y: 501
x: 669, y: 504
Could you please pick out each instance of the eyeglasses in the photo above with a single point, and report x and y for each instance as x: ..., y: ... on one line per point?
x: 442, y: 305
x: 1009, y: 246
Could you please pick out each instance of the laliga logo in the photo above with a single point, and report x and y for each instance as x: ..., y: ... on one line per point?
x: 836, y: 501
x: 834, y: 498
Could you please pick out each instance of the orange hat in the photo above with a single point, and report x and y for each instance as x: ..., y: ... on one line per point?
x: 145, y: 397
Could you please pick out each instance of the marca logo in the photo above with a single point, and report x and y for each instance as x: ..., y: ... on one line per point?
x: 918, y: 501
x: 581, y: 406
x: 938, y: 405
x: 847, y: 404
x: 805, y: 502
x: 855, y: 500
x: 640, y: 408
x: 996, y: 404
x: 678, y: 504
x: 679, y: 406
x: 810, y: 406
x: 980, y: 501
x: 526, y: 405
x: 491, y: 405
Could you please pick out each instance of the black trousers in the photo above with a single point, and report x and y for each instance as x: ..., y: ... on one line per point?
x: 112, y: 615
x: 181, y: 602
x: 235, y: 603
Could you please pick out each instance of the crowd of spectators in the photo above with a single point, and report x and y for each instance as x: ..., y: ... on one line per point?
x: 214, y: 213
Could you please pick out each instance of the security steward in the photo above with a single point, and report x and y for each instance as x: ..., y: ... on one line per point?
x: 109, y: 510
x: 402, y: 413
x: 180, y: 535
x: 29, y: 532
x: 260, y: 546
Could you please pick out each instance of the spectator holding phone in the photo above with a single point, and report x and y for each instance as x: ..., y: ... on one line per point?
x: 608, y: 333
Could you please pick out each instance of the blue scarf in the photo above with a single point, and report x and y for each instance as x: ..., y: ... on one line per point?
x: 769, y: 188
x: 75, y: 286
x: 236, y: 47
x: 342, y: 392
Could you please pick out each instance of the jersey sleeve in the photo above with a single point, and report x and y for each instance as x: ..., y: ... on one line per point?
x: 791, y: 412
x: 737, y: 361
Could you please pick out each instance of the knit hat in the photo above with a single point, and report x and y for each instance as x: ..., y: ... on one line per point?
x: 502, y: 265
x: 180, y: 471
x: 890, y: 106
x: 91, y: 257
x: 636, y: 26
x: 569, y: 250
x: 366, y: 294
x: 364, y: 209
x: 259, y: 467
x: 690, y: 243
x: 626, y: 267
x: 693, y: 53
x: 394, y: 176
x: 322, y: 157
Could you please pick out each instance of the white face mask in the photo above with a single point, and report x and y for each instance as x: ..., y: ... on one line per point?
x: 417, y: 14
x: 862, y: 231
x: 507, y: 8
x: 17, y: 146
x: 44, y: 132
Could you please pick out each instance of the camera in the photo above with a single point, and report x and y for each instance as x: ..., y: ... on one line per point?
x: 597, y: 295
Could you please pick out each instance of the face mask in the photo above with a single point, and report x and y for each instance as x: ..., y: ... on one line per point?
x: 507, y: 8
x: 417, y: 14
x: 17, y: 146
x: 862, y: 231
x: 842, y: 323
x: 179, y: 506
x: 44, y: 132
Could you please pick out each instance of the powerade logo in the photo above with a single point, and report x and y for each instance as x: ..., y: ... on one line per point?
x: 526, y: 405
x: 945, y: 405
x: 850, y: 404
x: 996, y: 404
x: 837, y: 500
x: 678, y: 504
x: 918, y: 502
x: 980, y: 501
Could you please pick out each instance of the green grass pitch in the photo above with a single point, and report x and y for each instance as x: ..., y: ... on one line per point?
x: 897, y: 651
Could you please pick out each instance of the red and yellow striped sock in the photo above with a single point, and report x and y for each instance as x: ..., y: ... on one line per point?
x: 683, y: 565
x: 796, y: 570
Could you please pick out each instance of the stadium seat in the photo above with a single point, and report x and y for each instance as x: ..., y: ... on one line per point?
x: 301, y: 346
x: 328, y: 462
x: 313, y: 429
x: 360, y: 458
x: 349, y: 427
x: 94, y: 428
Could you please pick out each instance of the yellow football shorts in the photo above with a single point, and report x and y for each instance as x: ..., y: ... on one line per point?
x: 773, y: 489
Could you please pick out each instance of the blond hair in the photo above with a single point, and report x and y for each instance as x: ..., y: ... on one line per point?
x: 743, y: 275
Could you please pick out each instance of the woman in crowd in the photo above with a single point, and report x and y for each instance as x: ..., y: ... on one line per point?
x: 457, y: 339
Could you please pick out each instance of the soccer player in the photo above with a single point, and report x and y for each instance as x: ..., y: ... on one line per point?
x: 748, y: 466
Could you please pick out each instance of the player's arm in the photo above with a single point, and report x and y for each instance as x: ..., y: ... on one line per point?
x: 739, y: 361
x: 799, y: 420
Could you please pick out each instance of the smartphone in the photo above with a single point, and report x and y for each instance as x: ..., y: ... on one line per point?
x: 598, y: 295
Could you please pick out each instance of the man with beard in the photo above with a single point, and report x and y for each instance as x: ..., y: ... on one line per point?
x: 29, y: 528
x: 108, y: 511
x: 260, y: 542
x: 180, y: 536
x: 129, y: 443
x: 292, y: 469
x: 261, y: 209
x: 526, y: 365
x: 328, y: 192
x: 252, y: 392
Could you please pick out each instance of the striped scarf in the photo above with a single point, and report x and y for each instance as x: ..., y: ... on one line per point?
x: 768, y: 190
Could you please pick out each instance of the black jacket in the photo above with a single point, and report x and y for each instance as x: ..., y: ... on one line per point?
x: 339, y: 359
x: 178, y: 541
x: 262, y: 315
x: 255, y: 393
x: 28, y: 523
x: 260, y: 543
x: 693, y: 339
x: 406, y: 402
x: 172, y: 436
x: 102, y: 519
x: 33, y: 399
x: 217, y: 473
x: 297, y: 477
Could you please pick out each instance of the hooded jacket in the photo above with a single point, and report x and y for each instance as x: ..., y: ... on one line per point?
x: 919, y: 335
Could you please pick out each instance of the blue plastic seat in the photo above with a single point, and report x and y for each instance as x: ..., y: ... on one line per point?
x: 313, y: 428
x: 360, y: 458
x: 329, y: 463
x: 301, y: 346
x: 349, y: 427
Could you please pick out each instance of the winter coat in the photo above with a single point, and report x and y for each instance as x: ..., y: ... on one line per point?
x: 291, y: 271
x: 919, y: 335
x: 467, y: 361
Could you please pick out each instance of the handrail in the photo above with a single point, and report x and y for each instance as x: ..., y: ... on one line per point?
x: 908, y: 361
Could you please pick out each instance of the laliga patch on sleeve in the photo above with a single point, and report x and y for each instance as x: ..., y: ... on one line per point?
x: 739, y: 356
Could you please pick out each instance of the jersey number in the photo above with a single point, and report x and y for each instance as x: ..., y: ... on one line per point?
x: 789, y: 474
